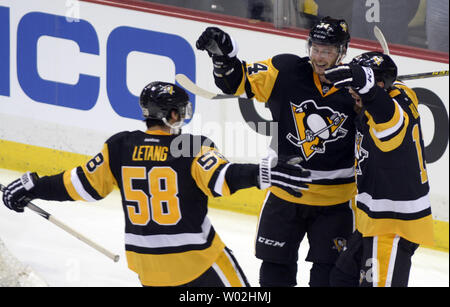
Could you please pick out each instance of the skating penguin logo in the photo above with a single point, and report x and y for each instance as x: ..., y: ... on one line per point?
x: 316, y: 126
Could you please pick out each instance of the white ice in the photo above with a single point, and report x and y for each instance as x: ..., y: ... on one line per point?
x: 64, y: 261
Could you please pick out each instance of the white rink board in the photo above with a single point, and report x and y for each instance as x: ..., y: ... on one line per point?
x: 25, y: 120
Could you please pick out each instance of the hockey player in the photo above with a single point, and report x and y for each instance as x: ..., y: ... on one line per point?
x: 393, y: 207
x: 164, y: 180
x: 316, y: 122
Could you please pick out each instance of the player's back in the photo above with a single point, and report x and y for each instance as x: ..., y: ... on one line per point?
x: 168, y: 236
x: 393, y: 183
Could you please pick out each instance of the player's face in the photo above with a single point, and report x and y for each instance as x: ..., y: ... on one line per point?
x: 322, y: 57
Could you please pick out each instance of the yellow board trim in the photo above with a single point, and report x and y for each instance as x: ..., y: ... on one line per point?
x: 23, y: 157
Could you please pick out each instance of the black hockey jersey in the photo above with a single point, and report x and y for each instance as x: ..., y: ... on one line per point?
x: 314, y: 121
x: 164, y: 181
x: 392, y: 176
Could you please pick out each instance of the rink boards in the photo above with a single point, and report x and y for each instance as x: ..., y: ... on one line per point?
x: 71, y: 73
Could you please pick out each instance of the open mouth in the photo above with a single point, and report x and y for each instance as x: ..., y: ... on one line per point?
x: 321, y: 66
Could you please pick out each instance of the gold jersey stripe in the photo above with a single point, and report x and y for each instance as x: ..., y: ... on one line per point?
x: 320, y: 195
x: 384, y: 250
x: 202, y: 174
x: 419, y: 231
x: 101, y: 179
x: 176, y: 268
x: 394, y: 142
x: 262, y: 81
x: 409, y: 92
x: 228, y: 269
x: 389, y: 124
x: 70, y: 187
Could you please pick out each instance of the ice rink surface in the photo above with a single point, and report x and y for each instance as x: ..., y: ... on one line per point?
x: 63, y: 261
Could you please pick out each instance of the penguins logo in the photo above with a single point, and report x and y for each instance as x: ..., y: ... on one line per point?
x: 360, y: 153
x: 315, y: 126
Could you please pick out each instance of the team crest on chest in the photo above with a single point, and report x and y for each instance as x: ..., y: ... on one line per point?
x: 315, y: 127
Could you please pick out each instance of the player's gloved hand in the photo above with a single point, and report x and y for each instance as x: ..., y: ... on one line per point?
x: 285, y: 173
x: 358, y: 77
x: 217, y: 43
x: 19, y: 192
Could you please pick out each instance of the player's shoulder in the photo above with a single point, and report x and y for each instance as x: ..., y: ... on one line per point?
x: 120, y: 136
x: 190, y: 145
x: 288, y: 61
x: 401, y: 92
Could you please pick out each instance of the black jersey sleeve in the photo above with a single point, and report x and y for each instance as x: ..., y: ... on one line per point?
x: 257, y: 80
x: 387, y: 120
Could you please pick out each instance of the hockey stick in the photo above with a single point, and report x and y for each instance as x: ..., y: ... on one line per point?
x: 431, y: 74
x: 66, y: 228
x: 380, y: 37
x: 298, y: 142
x: 382, y: 40
x: 187, y: 83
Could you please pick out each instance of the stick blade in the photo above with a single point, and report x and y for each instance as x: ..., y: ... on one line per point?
x: 381, y: 39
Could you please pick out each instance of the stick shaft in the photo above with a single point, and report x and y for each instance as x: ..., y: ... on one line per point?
x: 68, y: 229
x: 187, y: 83
x: 431, y: 74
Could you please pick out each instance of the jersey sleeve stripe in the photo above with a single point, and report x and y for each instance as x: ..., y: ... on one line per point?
x: 332, y: 174
x: 385, y: 129
x: 394, y: 141
x: 101, y: 179
x: 221, y: 184
x: 386, y: 205
x: 212, y: 181
x: 81, y: 185
x: 67, y: 177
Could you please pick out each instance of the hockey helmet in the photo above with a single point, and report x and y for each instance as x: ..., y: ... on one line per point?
x: 158, y: 99
x: 330, y: 31
x: 382, y: 65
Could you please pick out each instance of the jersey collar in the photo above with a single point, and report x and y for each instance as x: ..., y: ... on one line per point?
x: 157, y: 132
x: 319, y: 86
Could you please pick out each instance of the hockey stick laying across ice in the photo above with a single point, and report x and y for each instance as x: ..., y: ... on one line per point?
x: 187, y: 83
x: 66, y: 228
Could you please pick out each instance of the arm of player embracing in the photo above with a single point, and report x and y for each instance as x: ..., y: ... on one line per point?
x: 216, y: 176
x: 89, y: 182
x: 387, y: 120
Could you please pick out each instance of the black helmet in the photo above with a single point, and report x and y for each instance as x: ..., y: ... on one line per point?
x: 382, y: 65
x: 158, y: 99
x: 330, y: 31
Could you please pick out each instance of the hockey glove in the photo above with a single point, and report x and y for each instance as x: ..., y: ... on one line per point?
x: 358, y: 77
x: 286, y: 174
x: 18, y: 193
x: 217, y: 43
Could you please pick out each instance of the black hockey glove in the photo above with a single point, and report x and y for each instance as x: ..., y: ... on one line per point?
x: 217, y: 43
x: 18, y: 193
x: 358, y: 77
x: 285, y: 173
